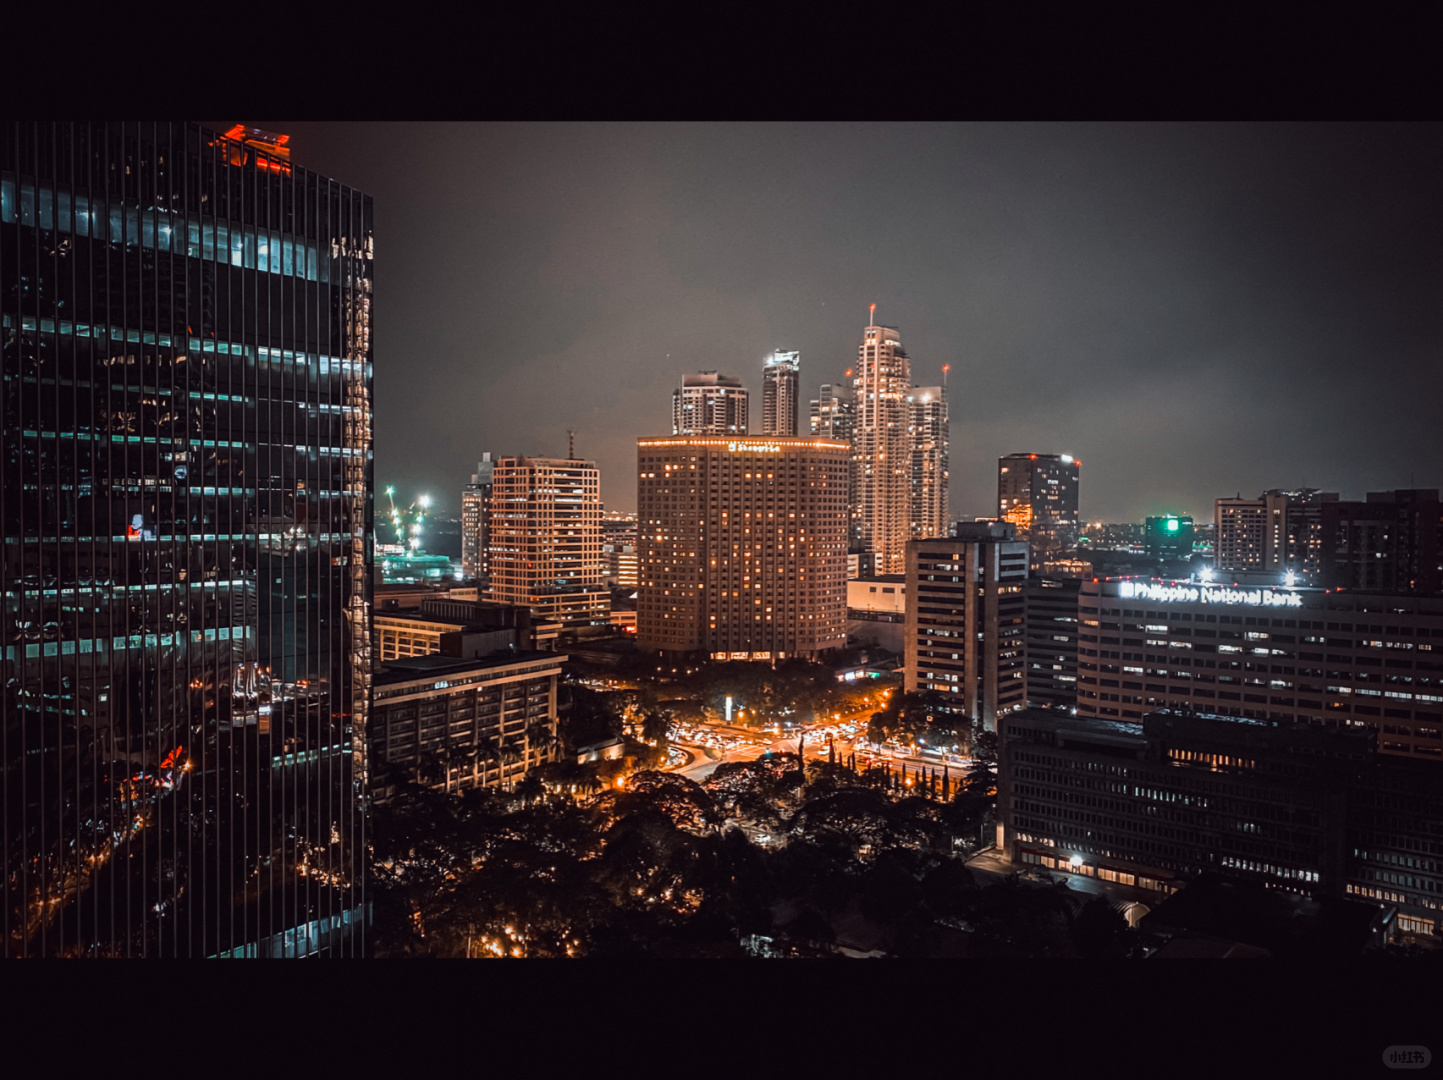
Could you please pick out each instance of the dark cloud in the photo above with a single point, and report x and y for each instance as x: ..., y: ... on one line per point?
x: 1192, y: 310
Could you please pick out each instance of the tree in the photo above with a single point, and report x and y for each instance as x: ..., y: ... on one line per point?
x: 531, y: 789
x: 1100, y: 932
x: 655, y: 726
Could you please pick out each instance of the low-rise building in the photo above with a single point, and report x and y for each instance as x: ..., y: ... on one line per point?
x: 454, y: 723
x: 1316, y: 811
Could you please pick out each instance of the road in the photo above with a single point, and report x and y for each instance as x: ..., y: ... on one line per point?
x: 756, y: 743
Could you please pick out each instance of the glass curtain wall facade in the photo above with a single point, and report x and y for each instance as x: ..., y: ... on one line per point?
x: 186, y: 491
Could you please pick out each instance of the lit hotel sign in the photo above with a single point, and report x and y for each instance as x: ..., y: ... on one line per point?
x: 754, y: 447
x: 1207, y: 594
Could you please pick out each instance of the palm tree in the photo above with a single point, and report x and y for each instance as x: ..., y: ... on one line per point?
x: 540, y: 736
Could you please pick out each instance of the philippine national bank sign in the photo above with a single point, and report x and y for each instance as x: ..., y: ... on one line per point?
x: 1209, y: 594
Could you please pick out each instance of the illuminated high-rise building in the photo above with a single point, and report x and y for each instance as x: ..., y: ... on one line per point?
x: 709, y: 403
x: 1037, y: 493
x: 742, y: 545
x: 186, y: 491
x: 966, y: 617
x: 545, y: 539
x: 780, y: 388
x: 930, y: 437
x: 476, y: 521
x: 881, y: 450
x: 832, y: 413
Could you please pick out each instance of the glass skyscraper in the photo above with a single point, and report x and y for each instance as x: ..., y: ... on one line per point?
x: 187, y: 501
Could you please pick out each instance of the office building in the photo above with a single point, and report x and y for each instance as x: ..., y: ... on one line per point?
x: 1265, y: 652
x: 1160, y: 802
x: 781, y: 382
x: 456, y: 723
x: 930, y: 475
x: 1038, y: 494
x: 742, y: 546
x: 1276, y: 532
x: 1051, y: 632
x: 709, y: 403
x: 1168, y: 537
x: 545, y: 539
x: 185, y: 483
x: 881, y: 451
x: 1392, y: 542
x: 965, y: 613
x: 475, y: 523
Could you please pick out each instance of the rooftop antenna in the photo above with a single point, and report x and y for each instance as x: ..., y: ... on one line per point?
x: 570, y: 444
x: 872, y: 318
x: 945, y: 368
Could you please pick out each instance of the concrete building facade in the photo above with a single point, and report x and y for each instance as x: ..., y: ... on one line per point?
x: 709, y: 403
x: 742, y: 546
x: 781, y: 388
x: 476, y: 522
x: 881, y: 450
x: 1266, y: 652
x: 545, y: 539
x: 1037, y: 493
x: 930, y: 432
x: 965, y: 615
x: 1051, y: 622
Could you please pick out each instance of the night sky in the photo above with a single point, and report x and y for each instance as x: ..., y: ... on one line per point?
x: 1192, y: 310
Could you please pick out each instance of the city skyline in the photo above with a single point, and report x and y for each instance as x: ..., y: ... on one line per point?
x: 796, y: 704
x: 1126, y: 294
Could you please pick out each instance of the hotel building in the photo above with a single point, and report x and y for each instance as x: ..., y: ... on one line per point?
x: 742, y: 546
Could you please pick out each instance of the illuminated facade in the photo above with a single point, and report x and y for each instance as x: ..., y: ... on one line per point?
x: 618, y: 549
x: 1051, y: 624
x: 881, y: 450
x: 709, y: 403
x: 781, y: 374
x: 454, y: 724
x: 965, y: 620
x: 1265, y: 652
x: 930, y: 436
x: 187, y: 505
x: 1038, y: 494
x: 545, y: 539
x: 475, y: 523
x: 831, y: 412
x: 1277, y: 531
x: 742, y: 545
